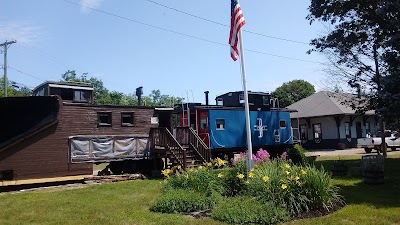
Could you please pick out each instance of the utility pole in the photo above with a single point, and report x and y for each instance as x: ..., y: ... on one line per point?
x: 6, y: 45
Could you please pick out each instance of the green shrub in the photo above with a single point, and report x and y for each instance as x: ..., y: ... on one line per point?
x: 202, y: 180
x: 296, y: 155
x: 175, y: 201
x: 247, y: 210
x: 296, y: 188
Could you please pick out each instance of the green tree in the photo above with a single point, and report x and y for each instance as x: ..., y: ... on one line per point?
x: 102, y: 95
x: 364, y: 46
x: 293, y: 91
x: 14, y: 90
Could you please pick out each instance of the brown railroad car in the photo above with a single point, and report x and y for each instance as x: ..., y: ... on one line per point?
x: 57, y: 134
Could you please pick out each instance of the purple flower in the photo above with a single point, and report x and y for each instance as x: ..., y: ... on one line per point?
x: 283, y: 156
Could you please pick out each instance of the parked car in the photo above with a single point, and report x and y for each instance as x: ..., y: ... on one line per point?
x: 392, y: 140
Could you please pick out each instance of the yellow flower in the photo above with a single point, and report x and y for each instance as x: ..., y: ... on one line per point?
x: 255, y: 166
x: 287, y: 166
x: 191, y: 170
x: 240, y: 176
x: 252, y: 170
x: 303, y: 172
x: 284, y: 181
x: 287, y: 172
x: 220, y: 175
x: 166, y: 172
x: 219, y: 162
x: 284, y: 186
x: 209, y: 164
x: 200, y: 167
x: 247, y: 182
x: 187, y: 176
x: 179, y: 167
x: 265, y: 179
x: 297, y: 178
x: 251, y: 175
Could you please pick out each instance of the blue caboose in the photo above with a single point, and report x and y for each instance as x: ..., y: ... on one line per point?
x: 222, y: 127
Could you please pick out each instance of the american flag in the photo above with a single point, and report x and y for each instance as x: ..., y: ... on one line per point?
x: 237, y: 21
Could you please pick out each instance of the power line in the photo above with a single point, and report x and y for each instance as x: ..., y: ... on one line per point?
x: 186, y: 35
x: 225, y: 25
x: 27, y: 74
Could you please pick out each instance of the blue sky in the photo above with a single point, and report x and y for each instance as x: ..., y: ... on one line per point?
x: 54, y: 36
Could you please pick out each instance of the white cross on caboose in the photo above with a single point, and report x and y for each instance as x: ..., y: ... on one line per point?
x: 260, y: 128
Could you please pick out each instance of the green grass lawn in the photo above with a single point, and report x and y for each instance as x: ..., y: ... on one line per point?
x: 128, y: 203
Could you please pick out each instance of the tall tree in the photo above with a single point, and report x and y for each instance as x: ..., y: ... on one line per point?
x: 364, y: 46
x: 14, y: 89
x: 293, y: 91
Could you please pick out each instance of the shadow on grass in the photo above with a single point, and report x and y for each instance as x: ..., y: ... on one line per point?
x: 356, y: 192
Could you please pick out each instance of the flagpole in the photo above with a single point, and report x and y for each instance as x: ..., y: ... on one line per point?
x: 246, y: 104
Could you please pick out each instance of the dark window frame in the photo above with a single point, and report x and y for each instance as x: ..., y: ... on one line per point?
x: 304, y: 127
x: 280, y: 124
x: 108, y: 123
x: 320, y: 133
x: 347, y: 129
x: 132, y: 119
x: 216, y: 124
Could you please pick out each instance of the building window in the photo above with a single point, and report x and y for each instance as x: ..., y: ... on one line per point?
x: 104, y: 119
x: 282, y: 123
x: 347, y: 129
x: 367, y: 128
x: 203, y: 124
x: 317, y: 131
x: 220, y: 101
x: 303, y: 132
x: 127, y: 119
x: 220, y: 124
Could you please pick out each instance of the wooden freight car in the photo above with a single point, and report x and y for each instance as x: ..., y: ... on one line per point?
x: 58, y: 134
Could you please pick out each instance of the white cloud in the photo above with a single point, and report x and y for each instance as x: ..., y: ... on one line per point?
x: 20, y: 31
x: 86, y: 4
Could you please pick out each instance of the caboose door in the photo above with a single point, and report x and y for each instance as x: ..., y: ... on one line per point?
x: 202, y: 125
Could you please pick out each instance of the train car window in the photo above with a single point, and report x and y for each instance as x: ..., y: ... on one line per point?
x: 104, y: 119
x: 127, y: 119
x: 203, y: 124
x: 220, y: 124
x: 241, y: 99
x: 265, y: 100
x: 282, y: 123
x: 220, y: 101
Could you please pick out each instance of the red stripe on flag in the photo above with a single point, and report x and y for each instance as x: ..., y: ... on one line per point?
x: 237, y: 22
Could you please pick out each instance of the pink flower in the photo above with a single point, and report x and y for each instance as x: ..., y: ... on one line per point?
x: 283, y: 156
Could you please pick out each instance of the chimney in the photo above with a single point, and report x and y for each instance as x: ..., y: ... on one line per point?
x: 206, y: 92
x: 139, y: 93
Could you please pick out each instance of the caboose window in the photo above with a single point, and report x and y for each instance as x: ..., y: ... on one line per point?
x: 220, y: 124
x: 126, y: 119
x: 282, y: 123
x: 220, y: 101
x: 241, y: 99
x: 203, y: 124
x: 104, y: 119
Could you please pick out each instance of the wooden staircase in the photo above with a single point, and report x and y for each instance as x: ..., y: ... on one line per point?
x: 187, y: 150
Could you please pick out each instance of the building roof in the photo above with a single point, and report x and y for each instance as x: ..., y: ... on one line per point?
x: 325, y: 103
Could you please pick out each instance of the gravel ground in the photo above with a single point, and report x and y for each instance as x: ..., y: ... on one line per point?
x: 351, y: 151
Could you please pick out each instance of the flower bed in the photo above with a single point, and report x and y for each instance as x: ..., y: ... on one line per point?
x: 292, y: 189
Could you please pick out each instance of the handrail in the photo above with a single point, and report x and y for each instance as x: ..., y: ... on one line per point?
x: 162, y: 137
x: 201, y: 148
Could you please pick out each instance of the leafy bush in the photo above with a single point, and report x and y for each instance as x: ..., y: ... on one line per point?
x: 175, y: 201
x: 297, y: 188
x: 296, y: 155
x: 247, y: 210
